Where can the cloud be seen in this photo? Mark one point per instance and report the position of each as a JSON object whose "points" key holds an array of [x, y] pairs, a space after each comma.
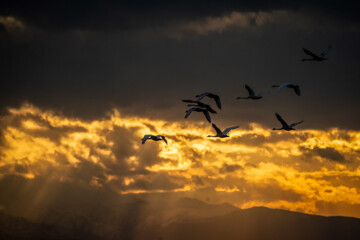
{"points": [[327, 153], [255, 21], [230, 168], [256, 165], [12, 25], [242, 20], [80, 15]]}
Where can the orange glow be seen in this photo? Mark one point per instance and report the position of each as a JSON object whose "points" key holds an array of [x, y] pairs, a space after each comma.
{"points": [[317, 165], [226, 189]]}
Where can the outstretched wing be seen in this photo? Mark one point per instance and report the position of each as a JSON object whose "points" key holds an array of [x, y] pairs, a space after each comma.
{"points": [[297, 90], [146, 137], [201, 96], [217, 100], [218, 131], [189, 101], [310, 53], [325, 51], [207, 115], [283, 86], [294, 124], [210, 109], [229, 129], [251, 92], [163, 138], [188, 112], [200, 104], [285, 125]]}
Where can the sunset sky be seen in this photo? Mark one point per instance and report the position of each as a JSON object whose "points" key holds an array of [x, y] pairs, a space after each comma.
{"points": [[81, 83]]}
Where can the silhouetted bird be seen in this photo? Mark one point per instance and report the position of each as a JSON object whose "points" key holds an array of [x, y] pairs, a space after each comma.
{"points": [[221, 134], [200, 104], [197, 109], [289, 85], [285, 126], [210, 95], [252, 94], [315, 57], [154, 138]]}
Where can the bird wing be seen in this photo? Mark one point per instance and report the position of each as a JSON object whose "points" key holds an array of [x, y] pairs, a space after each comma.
{"points": [[207, 115], [204, 105], [191, 105], [229, 129], [261, 93], [283, 86], [210, 109], [146, 137], [297, 90], [310, 53], [251, 92], [163, 138], [325, 52], [189, 101], [294, 124], [217, 100], [281, 120], [201, 96], [218, 131], [188, 112]]}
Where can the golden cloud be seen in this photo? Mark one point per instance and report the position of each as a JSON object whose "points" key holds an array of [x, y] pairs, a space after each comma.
{"points": [[255, 166]]}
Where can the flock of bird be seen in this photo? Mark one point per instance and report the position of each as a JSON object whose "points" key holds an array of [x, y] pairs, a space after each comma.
{"points": [[206, 109]]}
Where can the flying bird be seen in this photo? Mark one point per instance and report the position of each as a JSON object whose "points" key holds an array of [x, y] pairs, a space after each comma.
{"points": [[285, 126], [210, 95], [221, 134], [200, 104], [252, 94], [289, 85], [197, 109], [153, 137], [315, 57]]}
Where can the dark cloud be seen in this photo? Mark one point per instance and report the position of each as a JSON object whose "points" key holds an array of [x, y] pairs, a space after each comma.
{"points": [[230, 168], [86, 73], [86, 171], [108, 15], [2, 28], [198, 180], [327, 153]]}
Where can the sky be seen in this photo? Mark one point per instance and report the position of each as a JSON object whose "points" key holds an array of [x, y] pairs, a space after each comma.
{"points": [[82, 82]]}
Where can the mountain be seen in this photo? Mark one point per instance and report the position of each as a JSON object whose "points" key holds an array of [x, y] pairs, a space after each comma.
{"points": [[15, 228], [185, 218], [261, 223]]}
